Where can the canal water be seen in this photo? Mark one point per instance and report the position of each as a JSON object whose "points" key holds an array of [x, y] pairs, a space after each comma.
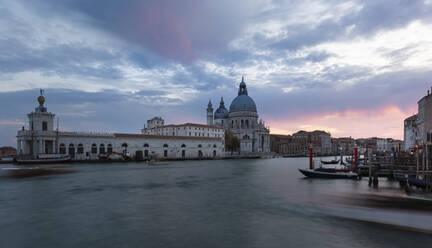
{"points": [[221, 203]]}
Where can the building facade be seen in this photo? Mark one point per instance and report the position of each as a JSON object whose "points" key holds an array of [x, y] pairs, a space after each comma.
{"points": [[43, 141], [298, 143], [7, 151], [243, 121], [187, 129], [410, 133], [418, 128]]}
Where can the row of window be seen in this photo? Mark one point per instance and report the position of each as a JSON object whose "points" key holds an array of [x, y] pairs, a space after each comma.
{"points": [[80, 148], [102, 150], [240, 124]]}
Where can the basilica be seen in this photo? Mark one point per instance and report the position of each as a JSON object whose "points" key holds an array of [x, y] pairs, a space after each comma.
{"points": [[242, 120]]}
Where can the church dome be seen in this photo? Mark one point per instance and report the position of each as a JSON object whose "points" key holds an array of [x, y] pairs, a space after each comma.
{"points": [[221, 112], [242, 102]]}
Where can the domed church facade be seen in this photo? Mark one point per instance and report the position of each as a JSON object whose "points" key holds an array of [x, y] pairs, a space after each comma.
{"points": [[243, 121]]}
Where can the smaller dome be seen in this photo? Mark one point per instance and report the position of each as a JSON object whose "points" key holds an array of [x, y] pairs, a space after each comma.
{"points": [[221, 112]]}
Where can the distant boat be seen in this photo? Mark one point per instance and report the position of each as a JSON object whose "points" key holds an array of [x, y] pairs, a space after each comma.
{"points": [[44, 160], [329, 173], [33, 171], [330, 162]]}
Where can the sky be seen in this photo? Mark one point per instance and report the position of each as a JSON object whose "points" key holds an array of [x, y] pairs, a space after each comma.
{"points": [[352, 68]]}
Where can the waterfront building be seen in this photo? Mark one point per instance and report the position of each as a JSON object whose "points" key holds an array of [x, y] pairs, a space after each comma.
{"points": [[298, 143], [7, 151], [242, 121], [187, 129], [41, 140], [344, 145], [418, 128], [410, 132]]}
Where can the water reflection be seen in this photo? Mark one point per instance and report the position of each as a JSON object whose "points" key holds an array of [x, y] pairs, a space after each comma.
{"points": [[225, 203]]}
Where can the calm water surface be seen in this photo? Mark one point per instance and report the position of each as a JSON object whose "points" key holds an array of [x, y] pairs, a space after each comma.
{"points": [[225, 203]]}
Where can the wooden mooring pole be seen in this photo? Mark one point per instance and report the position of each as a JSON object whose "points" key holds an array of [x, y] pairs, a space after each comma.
{"points": [[311, 166]]}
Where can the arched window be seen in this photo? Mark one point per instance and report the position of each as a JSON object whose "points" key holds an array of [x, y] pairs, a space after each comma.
{"points": [[214, 153], [146, 145], [199, 145], [165, 145], [242, 124], [102, 149], [62, 148], [110, 148], [247, 123], [71, 149], [94, 148], [200, 154], [183, 145], [214, 146], [80, 149]]}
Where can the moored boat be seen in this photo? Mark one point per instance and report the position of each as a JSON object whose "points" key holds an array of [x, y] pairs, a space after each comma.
{"points": [[329, 173], [33, 171], [43, 159], [330, 162]]}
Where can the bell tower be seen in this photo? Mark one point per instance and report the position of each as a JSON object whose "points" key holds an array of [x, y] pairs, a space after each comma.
{"points": [[41, 128], [209, 113]]}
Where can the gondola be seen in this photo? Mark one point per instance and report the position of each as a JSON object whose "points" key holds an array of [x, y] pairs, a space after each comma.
{"points": [[330, 162], [329, 173]]}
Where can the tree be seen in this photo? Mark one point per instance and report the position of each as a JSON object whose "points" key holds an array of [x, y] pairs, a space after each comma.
{"points": [[232, 143]]}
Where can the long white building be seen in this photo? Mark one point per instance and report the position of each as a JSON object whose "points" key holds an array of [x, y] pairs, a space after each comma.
{"points": [[156, 126], [41, 140]]}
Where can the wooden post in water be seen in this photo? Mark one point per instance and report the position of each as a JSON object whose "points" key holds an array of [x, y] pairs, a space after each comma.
{"points": [[423, 160], [311, 166], [355, 157], [417, 161]]}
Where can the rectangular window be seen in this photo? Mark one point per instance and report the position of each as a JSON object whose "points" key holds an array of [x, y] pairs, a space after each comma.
{"points": [[44, 126], [166, 153]]}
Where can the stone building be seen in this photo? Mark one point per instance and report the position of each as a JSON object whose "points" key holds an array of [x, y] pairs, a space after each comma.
{"points": [[7, 151], [344, 145], [410, 133], [418, 128], [187, 129], [242, 120], [43, 141], [298, 143]]}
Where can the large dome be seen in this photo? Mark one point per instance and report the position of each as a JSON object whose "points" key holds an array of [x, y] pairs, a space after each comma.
{"points": [[242, 102]]}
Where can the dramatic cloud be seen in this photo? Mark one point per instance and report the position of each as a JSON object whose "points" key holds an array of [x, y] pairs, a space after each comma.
{"points": [[355, 68]]}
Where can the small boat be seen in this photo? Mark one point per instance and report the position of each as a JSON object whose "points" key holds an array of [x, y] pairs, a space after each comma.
{"points": [[43, 160], [33, 171], [330, 162], [329, 173]]}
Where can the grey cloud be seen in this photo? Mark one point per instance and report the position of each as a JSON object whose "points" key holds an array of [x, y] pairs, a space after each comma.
{"points": [[66, 59]]}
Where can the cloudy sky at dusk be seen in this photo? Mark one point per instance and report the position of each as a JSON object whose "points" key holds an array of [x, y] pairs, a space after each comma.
{"points": [[353, 68]]}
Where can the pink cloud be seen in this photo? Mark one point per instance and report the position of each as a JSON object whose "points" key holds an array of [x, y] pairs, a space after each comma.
{"points": [[383, 122], [162, 29]]}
